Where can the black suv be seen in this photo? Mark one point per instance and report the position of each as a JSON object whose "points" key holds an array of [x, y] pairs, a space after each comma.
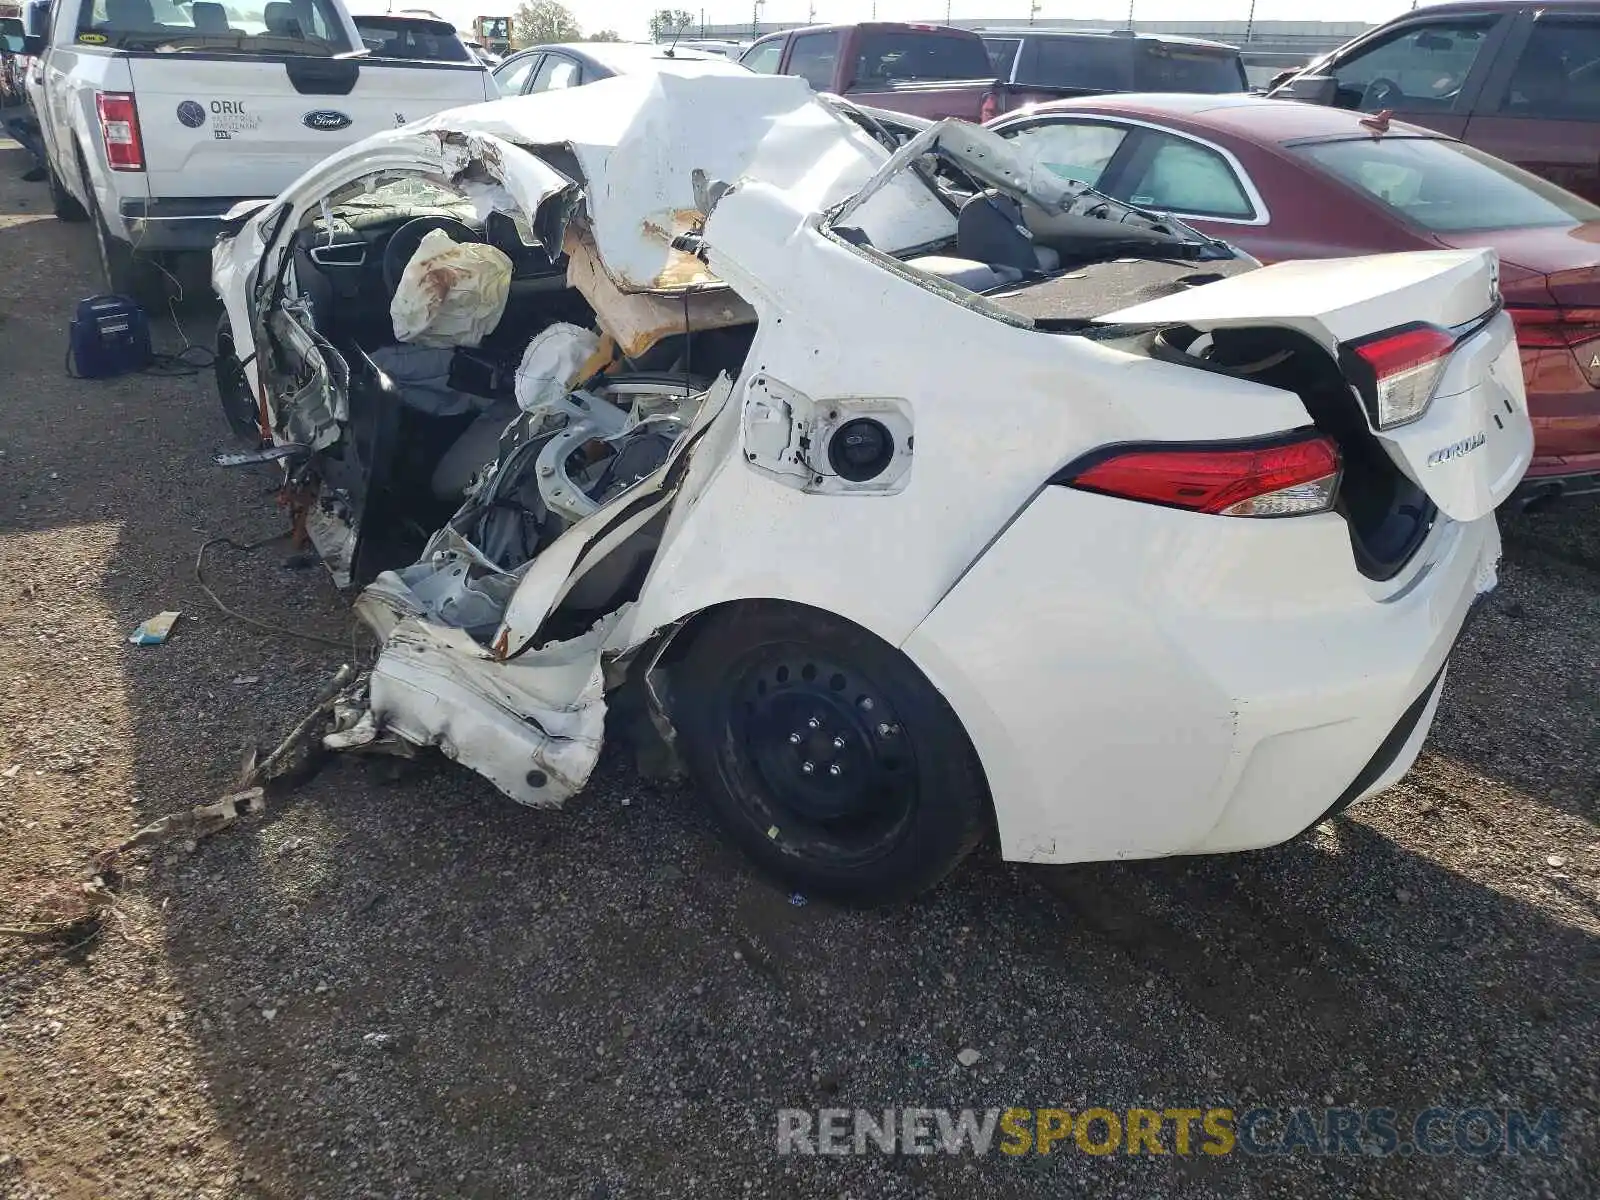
{"points": [[1059, 63]]}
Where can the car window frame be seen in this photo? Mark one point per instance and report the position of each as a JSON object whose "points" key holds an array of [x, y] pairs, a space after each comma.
{"points": [[1016, 55], [1120, 170], [1488, 58], [536, 57], [1143, 157], [838, 54], [1497, 88], [553, 59], [780, 41], [1115, 165]]}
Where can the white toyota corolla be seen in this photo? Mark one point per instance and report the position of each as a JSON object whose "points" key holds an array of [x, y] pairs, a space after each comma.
{"points": [[912, 490]]}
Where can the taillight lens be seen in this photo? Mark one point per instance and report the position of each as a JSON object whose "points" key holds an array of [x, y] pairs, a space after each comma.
{"points": [[1405, 366], [1555, 328], [119, 130], [1285, 479], [990, 108]]}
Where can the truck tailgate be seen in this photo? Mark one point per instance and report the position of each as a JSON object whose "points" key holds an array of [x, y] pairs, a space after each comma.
{"points": [[933, 99], [250, 126]]}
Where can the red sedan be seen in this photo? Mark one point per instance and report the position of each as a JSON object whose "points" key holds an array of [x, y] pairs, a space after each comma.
{"points": [[1282, 180]]}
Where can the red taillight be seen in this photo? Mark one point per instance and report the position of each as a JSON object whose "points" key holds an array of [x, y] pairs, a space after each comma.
{"points": [[1284, 480], [1555, 328], [119, 130], [1406, 365], [990, 109]]}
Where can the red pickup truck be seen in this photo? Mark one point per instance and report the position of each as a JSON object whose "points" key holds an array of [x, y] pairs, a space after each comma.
{"points": [[931, 71]]}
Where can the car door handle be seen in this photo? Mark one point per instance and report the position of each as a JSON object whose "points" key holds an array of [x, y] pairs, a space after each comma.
{"points": [[347, 254]]}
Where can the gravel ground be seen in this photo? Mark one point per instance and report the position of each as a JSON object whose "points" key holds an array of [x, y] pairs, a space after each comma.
{"points": [[407, 986]]}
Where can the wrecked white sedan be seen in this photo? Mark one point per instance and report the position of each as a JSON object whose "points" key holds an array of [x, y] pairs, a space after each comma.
{"points": [[916, 491]]}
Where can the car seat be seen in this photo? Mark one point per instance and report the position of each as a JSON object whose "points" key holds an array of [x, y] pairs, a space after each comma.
{"points": [[129, 15], [209, 17], [281, 21]]}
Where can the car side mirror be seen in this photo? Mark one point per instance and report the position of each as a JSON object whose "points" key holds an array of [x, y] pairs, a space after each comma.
{"points": [[33, 44], [1310, 89]]}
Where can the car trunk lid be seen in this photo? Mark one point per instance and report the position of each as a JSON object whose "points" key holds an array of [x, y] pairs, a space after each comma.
{"points": [[1556, 303], [249, 126], [1469, 444]]}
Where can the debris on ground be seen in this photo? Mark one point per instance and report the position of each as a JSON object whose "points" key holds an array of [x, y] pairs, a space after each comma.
{"points": [[68, 913], [154, 631], [206, 819]]}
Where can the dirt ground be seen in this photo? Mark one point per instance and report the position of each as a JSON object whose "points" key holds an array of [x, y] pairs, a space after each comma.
{"points": [[411, 987]]}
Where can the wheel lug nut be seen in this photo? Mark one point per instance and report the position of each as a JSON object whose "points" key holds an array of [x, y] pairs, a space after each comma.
{"points": [[807, 768], [795, 739], [836, 770], [838, 743], [886, 730], [866, 704], [814, 723]]}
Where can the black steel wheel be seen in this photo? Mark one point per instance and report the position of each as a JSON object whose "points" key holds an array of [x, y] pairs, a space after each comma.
{"points": [[826, 755], [233, 389]]}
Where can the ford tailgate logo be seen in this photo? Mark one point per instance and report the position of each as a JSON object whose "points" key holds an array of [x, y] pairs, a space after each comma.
{"points": [[325, 118]]}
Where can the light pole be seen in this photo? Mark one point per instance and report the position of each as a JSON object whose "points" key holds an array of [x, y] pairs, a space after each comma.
{"points": [[1130, 14], [1250, 22], [755, 17]]}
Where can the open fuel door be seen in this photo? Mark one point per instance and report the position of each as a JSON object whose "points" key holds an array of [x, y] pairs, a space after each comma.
{"points": [[1421, 340]]}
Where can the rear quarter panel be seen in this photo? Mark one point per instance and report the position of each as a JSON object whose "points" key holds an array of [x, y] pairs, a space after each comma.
{"points": [[71, 124]]}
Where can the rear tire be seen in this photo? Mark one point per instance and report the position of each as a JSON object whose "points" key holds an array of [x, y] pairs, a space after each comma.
{"points": [[61, 201], [126, 273], [233, 388], [894, 796]]}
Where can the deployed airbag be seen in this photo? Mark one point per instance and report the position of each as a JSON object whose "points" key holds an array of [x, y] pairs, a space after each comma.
{"points": [[451, 293]]}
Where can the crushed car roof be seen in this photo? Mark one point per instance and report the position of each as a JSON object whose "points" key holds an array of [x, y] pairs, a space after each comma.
{"points": [[646, 148]]}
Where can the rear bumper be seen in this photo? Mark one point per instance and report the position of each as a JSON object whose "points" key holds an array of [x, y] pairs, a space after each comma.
{"points": [[175, 223], [1210, 685], [1558, 478]]}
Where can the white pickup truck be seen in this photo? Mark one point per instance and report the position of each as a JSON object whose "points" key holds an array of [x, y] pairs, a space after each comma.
{"points": [[158, 116]]}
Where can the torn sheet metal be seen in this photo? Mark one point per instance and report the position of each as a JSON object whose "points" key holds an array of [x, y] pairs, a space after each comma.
{"points": [[639, 320], [532, 727]]}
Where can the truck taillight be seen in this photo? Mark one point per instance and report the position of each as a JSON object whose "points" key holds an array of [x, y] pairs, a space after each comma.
{"points": [[1283, 478], [1554, 328], [119, 130], [990, 108], [1397, 371]]}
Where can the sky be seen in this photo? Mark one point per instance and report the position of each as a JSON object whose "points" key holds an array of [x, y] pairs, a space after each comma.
{"points": [[630, 17]]}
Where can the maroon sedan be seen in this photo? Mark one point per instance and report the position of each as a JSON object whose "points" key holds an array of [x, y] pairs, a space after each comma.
{"points": [[1282, 180]]}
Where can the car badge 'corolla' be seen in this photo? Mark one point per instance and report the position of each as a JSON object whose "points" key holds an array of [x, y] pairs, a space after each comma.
{"points": [[1457, 450]]}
